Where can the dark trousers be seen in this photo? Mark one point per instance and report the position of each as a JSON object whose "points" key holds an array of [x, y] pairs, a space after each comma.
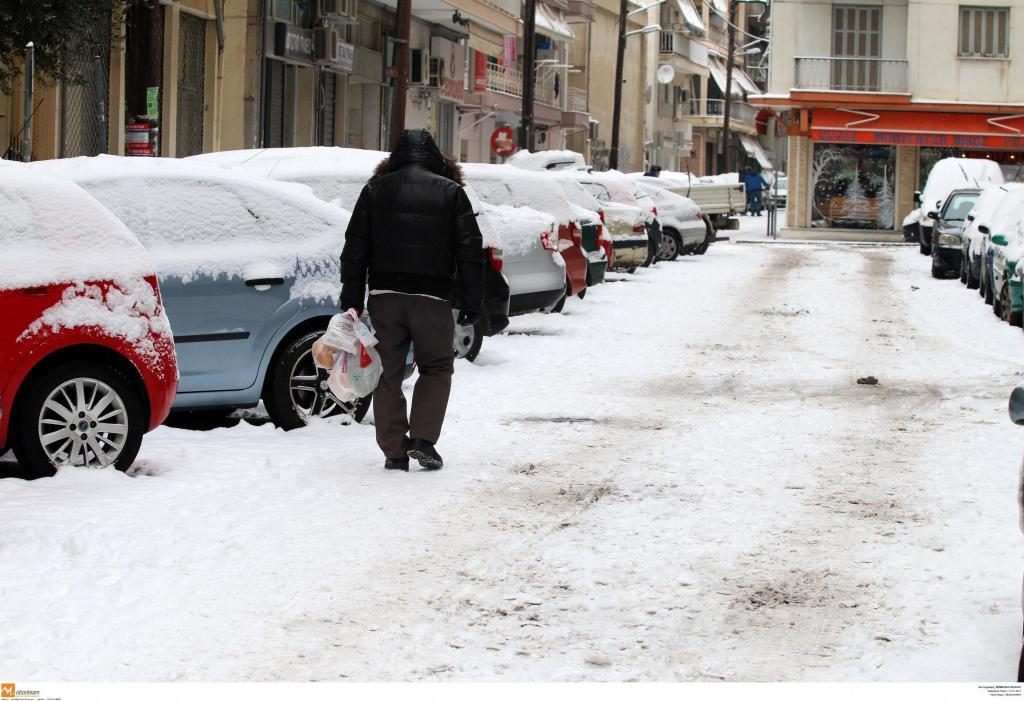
{"points": [[427, 324], [754, 201]]}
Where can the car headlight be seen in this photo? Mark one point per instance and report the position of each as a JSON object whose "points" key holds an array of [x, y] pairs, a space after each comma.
{"points": [[949, 240]]}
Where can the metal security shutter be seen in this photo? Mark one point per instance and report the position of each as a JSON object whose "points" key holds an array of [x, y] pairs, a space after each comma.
{"points": [[273, 126], [191, 85], [327, 104], [445, 127], [84, 106]]}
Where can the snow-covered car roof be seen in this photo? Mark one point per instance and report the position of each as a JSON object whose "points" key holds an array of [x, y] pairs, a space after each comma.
{"points": [[1002, 211], [577, 194], [949, 174], [335, 175], [621, 189], [676, 206], [505, 185], [195, 219], [547, 160], [52, 231], [521, 227]]}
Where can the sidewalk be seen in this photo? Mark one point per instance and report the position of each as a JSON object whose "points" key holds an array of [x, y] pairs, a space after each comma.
{"points": [[755, 230]]}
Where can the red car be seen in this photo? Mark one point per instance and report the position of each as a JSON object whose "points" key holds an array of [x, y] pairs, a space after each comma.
{"points": [[87, 361]]}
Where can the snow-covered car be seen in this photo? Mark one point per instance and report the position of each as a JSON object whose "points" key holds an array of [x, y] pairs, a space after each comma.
{"points": [[945, 176], [972, 239], [338, 175], [625, 219], [995, 232], [684, 227], [597, 242], [949, 227], [87, 361], [533, 265], [505, 185], [547, 160], [249, 270], [720, 197]]}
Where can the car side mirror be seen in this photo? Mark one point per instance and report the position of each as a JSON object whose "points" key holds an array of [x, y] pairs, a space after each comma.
{"points": [[917, 197], [1017, 406], [933, 215], [999, 240], [984, 230]]}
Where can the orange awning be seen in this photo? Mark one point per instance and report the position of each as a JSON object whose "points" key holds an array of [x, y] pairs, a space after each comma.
{"points": [[903, 128]]}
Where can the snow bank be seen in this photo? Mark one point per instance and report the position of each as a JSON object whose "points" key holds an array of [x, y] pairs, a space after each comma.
{"points": [[52, 232], [197, 220]]}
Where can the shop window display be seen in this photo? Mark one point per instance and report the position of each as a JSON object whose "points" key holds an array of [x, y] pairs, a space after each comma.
{"points": [[853, 187]]}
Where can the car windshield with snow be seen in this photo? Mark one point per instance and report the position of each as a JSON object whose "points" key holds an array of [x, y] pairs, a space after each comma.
{"points": [[87, 361]]}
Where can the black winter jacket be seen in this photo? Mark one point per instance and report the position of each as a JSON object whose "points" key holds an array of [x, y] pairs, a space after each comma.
{"points": [[414, 231]]}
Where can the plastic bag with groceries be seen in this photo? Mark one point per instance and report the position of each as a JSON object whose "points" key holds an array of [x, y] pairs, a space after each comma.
{"points": [[347, 350]]}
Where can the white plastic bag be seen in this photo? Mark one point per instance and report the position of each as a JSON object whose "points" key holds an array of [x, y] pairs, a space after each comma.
{"points": [[347, 349]]}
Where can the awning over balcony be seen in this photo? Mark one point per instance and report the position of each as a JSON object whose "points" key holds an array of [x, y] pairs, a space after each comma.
{"points": [[552, 22], [690, 15], [741, 82], [755, 151]]}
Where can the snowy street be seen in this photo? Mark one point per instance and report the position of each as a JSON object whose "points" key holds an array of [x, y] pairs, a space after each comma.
{"points": [[678, 479]]}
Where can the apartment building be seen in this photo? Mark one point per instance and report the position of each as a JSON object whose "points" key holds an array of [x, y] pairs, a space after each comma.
{"points": [[873, 93]]}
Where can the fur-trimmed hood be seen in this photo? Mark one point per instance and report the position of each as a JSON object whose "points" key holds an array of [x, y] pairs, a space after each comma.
{"points": [[417, 147]]}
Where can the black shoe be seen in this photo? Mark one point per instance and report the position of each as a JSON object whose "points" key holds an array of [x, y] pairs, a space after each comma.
{"points": [[423, 452], [397, 464]]}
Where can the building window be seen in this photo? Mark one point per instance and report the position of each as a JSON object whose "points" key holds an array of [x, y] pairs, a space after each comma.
{"points": [[853, 186], [856, 46], [984, 32]]}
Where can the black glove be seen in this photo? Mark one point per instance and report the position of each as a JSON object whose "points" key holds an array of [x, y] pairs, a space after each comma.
{"points": [[468, 317]]}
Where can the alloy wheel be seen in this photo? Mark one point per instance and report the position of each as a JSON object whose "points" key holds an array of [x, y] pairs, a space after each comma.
{"points": [[83, 423], [311, 397], [669, 247]]}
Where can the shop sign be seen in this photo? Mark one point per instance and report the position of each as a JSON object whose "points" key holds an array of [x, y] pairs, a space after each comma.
{"points": [[479, 71], [346, 57], [453, 56], [503, 141], [293, 42], [889, 138], [141, 138], [968, 131]]}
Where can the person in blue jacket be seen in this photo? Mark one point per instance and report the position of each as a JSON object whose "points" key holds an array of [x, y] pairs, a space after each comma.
{"points": [[754, 185]]}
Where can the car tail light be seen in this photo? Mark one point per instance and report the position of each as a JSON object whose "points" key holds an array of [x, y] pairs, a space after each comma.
{"points": [[600, 213], [654, 211], [548, 241], [639, 228], [495, 258], [577, 234]]}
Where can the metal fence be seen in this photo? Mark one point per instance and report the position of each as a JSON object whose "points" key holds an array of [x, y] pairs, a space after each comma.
{"points": [[191, 85], [84, 104], [855, 74]]}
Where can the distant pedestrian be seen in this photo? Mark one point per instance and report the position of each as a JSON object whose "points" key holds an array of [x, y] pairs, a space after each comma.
{"points": [[754, 185], [653, 172], [414, 232]]}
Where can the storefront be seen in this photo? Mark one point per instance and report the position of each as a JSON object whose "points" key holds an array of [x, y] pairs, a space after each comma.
{"points": [[859, 168]]}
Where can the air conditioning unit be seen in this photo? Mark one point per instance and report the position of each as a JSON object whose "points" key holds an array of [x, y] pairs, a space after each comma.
{"points": [[325, 44], [337, 10], [435, 77]]}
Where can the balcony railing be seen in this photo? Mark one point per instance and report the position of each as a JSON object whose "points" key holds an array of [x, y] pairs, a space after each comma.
{"points": [[674, 43], [577, 100], [854, 74], [510, 82], [738, 112]]}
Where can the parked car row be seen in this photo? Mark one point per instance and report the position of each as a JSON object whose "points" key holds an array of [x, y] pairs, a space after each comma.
{"points": [[976, 233], [238, 253]]}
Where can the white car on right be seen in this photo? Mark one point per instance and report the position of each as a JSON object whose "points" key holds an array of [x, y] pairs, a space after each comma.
{"points": [[945, 176]]}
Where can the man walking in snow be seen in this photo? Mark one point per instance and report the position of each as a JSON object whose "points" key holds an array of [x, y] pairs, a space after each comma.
{"points": [[754, 185], [414, 233]]}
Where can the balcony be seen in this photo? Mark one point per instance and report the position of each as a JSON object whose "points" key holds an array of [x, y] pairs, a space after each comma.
{"points": [[878, 75], [715, 109], [689, 56], [509, 81]]}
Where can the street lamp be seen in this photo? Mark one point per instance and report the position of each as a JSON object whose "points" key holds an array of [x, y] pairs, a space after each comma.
{"points": [[613, 152], [729, 65]]}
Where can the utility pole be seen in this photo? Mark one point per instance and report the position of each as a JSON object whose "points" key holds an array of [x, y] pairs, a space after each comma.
{"points": [[527, 134], [725, 161], [30, 75], [401, 71], [620, 57]]}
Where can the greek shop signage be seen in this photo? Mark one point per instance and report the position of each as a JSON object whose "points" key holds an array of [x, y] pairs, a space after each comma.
{"points": [[293, 42], [890, 138]]}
